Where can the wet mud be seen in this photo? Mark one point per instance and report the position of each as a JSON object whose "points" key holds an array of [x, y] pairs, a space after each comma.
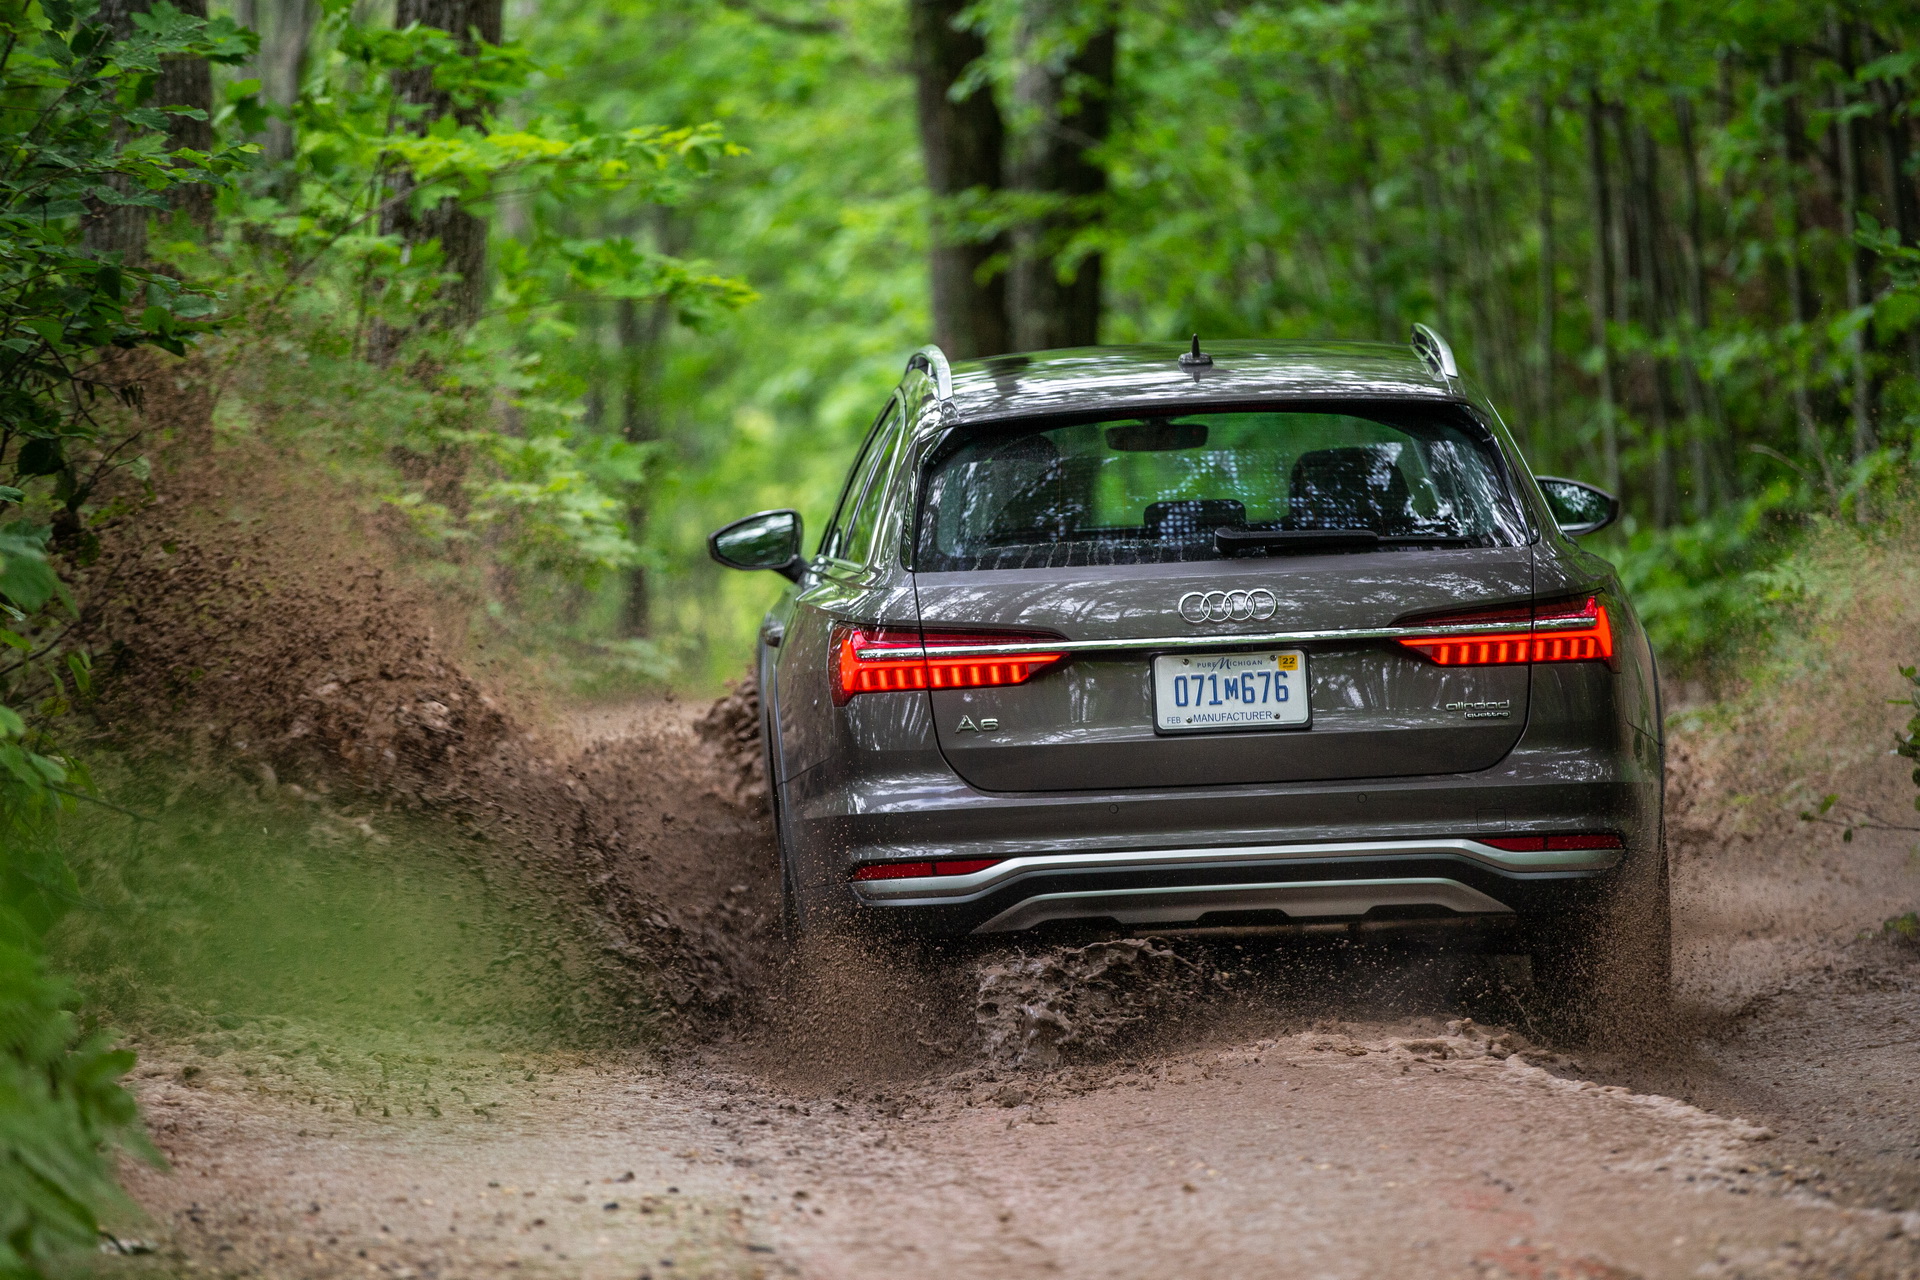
{"points": [[1124, 1107]]}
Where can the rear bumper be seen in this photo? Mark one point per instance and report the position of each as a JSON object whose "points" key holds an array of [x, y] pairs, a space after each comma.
{"points": [[1262, 884]]}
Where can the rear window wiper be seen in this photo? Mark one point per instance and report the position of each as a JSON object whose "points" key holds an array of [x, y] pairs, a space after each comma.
{"points": [[1228, 540]]}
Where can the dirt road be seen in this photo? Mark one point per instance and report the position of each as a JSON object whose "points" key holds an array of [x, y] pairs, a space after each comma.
{"points": [[1343, 1121], [1336, 1154]]}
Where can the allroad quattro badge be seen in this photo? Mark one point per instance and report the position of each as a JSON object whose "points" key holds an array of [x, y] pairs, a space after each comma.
{"points": [[1256, 605]]}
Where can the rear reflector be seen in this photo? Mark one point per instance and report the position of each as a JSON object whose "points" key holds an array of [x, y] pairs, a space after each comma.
{"points": [[910, 870], [1576, 631], [881, 660], [1544, 844]]}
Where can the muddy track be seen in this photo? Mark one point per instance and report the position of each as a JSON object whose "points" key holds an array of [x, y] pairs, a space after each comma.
{"points": [[1126, 1111]]}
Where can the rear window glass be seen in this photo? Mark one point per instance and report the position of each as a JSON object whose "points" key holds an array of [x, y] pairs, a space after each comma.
{"points": [[1152, 490]]}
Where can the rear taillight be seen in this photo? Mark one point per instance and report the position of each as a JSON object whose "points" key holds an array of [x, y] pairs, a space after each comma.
{"points": [[1543, 844], [1568, 631], [880, 660], [913, 870]]}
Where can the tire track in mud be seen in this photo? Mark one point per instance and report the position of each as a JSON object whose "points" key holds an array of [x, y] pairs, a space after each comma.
{"points": [[1125, 1109], [1034, 1111], [1355, 1152]]}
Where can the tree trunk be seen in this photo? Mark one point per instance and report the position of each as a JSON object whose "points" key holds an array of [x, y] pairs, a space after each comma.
{"points": [[1703, 399], [963, 144], [1054, 301], [1432, 194], [1655, 303], [642, 331], [1600, 305], [1386, 325], [188, 82], [285, 28], [1799, 295], [461, 235], [182, 82], [1889, 99], [1847, 148], [1547, 302]]}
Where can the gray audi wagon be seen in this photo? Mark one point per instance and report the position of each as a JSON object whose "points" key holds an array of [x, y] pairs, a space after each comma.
{"points": [[1271, 637]]}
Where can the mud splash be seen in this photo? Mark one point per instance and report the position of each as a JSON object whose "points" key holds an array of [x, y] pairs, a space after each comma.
{"points": [[1033, 1009], [286, 656]]}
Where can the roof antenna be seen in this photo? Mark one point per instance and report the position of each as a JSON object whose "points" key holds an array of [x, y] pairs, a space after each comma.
{"points": [[1190, 359]]}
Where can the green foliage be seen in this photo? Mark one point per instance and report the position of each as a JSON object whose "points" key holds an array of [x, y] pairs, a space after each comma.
{"points": [[61, 1108], [474, 436], [1316, 170], [1701, 587], [76, 135], [1908, 743]]}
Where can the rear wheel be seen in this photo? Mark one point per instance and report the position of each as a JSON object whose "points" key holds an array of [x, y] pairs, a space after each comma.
{"points": [[804, 919], [1607, 971], [791, 913]]}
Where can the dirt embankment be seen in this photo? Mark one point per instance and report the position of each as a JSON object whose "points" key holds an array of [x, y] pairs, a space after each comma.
{"points": [[255, 645], [1133, 1108]]}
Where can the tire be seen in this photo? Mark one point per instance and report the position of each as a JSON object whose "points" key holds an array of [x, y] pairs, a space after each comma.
{"points": [[793, 912], [1607, 972], [802, 922], [792, 916]]}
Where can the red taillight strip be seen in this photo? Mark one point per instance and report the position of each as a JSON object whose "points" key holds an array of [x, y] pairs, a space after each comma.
{"points": [[877, 660], [1577, 633], [1554, 844], [914, 870]]}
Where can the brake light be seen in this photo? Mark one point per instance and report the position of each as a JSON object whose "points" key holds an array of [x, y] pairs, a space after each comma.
{"points": [[1543, 844], [881, 660], [1577, 631], [911, 870]]}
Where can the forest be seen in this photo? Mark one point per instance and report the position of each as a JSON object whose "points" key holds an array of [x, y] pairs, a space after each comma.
{"points": [[547, 291]]}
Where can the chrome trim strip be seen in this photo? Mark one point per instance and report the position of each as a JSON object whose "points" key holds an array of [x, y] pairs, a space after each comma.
{"points": [[1194, 642], [1307, 899], [953, 890]]}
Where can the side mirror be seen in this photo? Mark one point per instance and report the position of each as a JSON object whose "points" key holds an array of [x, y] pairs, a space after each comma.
{"points": [[1578, 508], [768, 540]]}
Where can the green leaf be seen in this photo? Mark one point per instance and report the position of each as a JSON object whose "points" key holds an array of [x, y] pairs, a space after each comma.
{"points": [[26, 578], [41, 456]]}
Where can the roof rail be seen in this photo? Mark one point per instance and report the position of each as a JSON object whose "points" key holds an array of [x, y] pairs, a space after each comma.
{"points": [[932, 359], [1434, 352]]}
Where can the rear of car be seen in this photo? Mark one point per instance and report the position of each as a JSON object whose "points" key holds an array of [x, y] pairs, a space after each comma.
{"points": [[1099, 640]]}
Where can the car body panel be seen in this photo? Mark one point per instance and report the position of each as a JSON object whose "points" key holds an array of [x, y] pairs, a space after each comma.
{"points": [[1075, 767], [1378, 710]]}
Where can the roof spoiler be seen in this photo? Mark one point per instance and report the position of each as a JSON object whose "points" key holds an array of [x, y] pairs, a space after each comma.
{"points": [[1434, 352]]}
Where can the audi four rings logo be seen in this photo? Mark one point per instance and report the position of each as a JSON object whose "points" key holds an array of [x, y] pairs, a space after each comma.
{"points": [[1256, 605]]}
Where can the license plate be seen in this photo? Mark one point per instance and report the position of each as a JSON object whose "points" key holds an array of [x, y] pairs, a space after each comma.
{"points": [[1210, 692]]}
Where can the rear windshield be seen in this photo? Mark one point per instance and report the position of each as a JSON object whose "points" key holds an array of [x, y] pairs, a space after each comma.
{"points": [[1152, 490]]}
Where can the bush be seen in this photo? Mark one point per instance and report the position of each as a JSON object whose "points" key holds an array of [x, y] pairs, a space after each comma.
{"points": [[1699, 587]]}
